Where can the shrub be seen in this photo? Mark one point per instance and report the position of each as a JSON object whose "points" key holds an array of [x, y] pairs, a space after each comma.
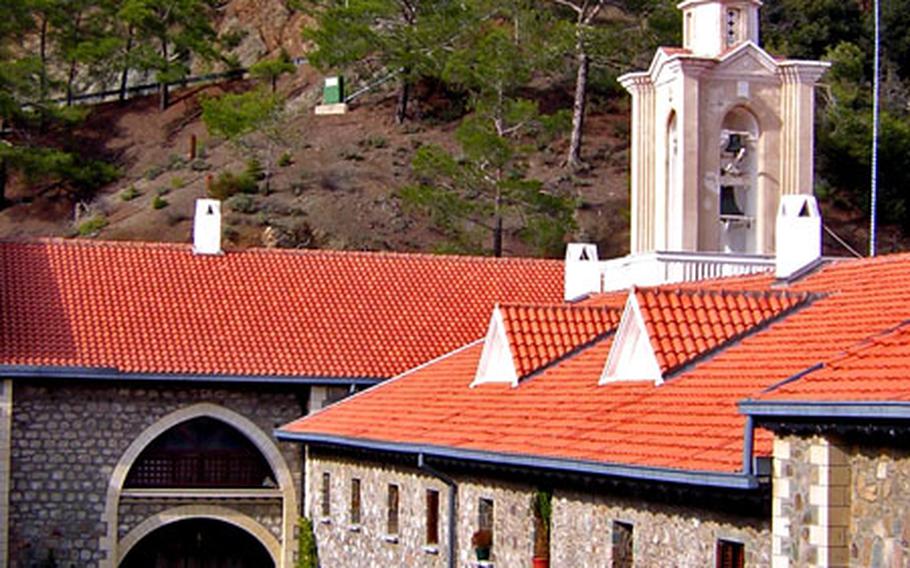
{"points": [[92, 225], [254, 169], [307, 553], [153, 172], [242, 203], [285, 160], [129, 193], [200, 165], [177, 182], [229, 183], [159, 202]]}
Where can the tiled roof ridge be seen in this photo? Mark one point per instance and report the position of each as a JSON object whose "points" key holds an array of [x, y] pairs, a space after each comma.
{"points": [[166, 246], [803, 299]]}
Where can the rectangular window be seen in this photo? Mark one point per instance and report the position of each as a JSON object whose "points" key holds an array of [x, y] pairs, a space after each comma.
{"points": [[355, 501], [485, 515], [392, 523], [623, 540], [326, 494], [432, 517], [730, 554]]}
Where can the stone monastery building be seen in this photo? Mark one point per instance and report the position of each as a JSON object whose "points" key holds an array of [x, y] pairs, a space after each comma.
{"points": [[723, 396]]}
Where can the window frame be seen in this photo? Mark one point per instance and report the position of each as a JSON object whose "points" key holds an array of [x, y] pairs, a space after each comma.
{"points": [[355, 512], [622, 536], [432, 518], [326, 495], [736, 550], [393, 507]]}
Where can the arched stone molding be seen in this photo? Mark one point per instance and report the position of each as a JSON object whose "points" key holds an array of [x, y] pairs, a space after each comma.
{"points": [[108, 544], [187, 512]]}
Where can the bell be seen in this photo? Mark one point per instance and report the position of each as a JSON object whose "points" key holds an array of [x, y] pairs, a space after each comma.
{"points": [[728, 205], [734, 143]]}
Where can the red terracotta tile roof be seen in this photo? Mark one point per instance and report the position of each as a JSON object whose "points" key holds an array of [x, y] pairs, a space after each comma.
{"points": [[539, 335], [874, 370], [684, 325], [157, 308], [691, 422]]}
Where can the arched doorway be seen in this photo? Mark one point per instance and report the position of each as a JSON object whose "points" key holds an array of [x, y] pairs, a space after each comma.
{"points": [[198, 543], [213, 440]]}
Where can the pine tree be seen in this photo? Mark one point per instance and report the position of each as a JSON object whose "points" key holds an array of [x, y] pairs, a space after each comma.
{"points": [[171, 31]]}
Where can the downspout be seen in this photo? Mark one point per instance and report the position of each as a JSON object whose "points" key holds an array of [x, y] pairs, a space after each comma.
{"points": [[748, 442], [453, 493]]}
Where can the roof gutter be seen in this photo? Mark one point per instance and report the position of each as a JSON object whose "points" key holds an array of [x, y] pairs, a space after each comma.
{"points": [[740, 481], [112, 374], [453, 499], [883, 410]]}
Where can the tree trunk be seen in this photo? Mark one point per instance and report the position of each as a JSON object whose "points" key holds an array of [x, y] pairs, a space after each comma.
{"points": [[574, 160], [163, 93], [71, 77], [274, 83], [497, 225], [401, 109], [42, 47], [2, 183], [125, 73]]}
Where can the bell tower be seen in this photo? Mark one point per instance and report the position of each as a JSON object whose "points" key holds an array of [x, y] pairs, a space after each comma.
{"points": [[720, 131]]}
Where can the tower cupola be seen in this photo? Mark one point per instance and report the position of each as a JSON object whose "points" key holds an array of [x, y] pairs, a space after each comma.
{"points": [[712, 27]]}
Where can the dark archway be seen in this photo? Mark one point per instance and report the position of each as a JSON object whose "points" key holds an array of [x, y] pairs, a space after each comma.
{"points": [[198, 543], [202, 452]]}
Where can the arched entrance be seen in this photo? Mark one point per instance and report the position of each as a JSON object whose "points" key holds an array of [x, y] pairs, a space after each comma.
{"points": [[198, 543], [208, 452]]}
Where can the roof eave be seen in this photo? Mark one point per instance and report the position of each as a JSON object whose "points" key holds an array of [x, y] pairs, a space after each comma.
{"points": [[111, 374], [720, 480], [828, 410]]}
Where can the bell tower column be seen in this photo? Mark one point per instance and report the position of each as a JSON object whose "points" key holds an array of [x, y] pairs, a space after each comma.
{"points": [[797, 112]]}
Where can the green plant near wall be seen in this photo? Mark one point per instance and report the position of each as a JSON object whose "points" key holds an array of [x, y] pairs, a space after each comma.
{"points": [[541, 503], [307, 554]]}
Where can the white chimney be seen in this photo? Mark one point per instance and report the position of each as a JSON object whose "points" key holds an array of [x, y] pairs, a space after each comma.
{"points": [[799, 234], [582, 271], [207, 227]]}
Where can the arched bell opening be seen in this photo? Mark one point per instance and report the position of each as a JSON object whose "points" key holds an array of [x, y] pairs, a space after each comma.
{"points": [[738, 197]]}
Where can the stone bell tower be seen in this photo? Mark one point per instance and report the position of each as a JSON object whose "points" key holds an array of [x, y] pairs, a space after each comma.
{"points": [[720, 131]]}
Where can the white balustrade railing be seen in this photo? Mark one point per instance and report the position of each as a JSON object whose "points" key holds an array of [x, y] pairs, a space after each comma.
{"points": [[656, 268]]}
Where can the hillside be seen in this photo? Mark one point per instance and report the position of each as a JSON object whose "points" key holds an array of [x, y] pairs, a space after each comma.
{"points": [[338, 191]]}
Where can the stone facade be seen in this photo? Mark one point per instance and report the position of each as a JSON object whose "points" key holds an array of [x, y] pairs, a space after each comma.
{"points": [[342, 545], [838, 502], [664, 535], [133, 511], [67, 440]]}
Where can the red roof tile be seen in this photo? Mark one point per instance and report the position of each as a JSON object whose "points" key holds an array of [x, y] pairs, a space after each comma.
{"points": [[538, 335], [691, 422], [684, 325], [874, 370], [157, 308]]}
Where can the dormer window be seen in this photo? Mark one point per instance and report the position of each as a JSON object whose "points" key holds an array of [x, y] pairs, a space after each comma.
{"points": [[733, 26]]}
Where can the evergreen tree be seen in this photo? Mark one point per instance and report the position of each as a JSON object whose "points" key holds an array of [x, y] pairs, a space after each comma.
{"points": [[406, 37], [271, 69], [171, 31]]}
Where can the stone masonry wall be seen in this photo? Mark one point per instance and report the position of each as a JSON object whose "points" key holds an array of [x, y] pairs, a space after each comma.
{"points": [[839, 502], [134, 511], [367, 545], [663, 535], [66, 440], [582, 522], [880, 507]]}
